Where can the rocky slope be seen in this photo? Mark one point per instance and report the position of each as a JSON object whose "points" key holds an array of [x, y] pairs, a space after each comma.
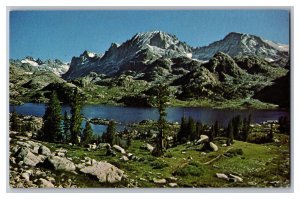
{"points": [[142, 49], [32, 65], [237, 44]]}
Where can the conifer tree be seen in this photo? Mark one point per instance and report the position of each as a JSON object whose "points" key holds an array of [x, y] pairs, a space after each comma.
{"points": [[160, 100], [216, 128], [229, 133], [191, 129], [66, 127], [75, 123], [111, 133], [183, 130], [87, 134], [52, 120]]}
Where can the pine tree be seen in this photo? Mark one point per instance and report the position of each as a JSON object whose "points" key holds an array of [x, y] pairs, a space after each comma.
{"points": [[191, 129], [52, 120], [160, 100], [87, 134], [75, 123], [66, 127], [111, 133], [181, 136], [230, 133], [216, 128]]}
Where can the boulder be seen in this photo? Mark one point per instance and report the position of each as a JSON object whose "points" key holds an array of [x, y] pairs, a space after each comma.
{"points": [[203, 139], [120, 149], [159, 181], [235, 178], [213, 146], [27, 157], [105, 172], [45, 183], [173, 184], [26, 176], [148, 147], [124, 158], [59, 163], [44, 150], [104, 146], [222, 176]]}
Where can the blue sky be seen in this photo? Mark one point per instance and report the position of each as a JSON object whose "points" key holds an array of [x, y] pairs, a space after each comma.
{"points": [[64, 34]]}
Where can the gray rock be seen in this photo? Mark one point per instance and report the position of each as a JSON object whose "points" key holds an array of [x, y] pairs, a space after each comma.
{"points": [[60, 163], [45, 183], [44, 150], [120, 149], [235, 178], [25, 176], [213, 146], [105, 172], [173, 184], [203, 139], [159, 181], [124, 158], [27, 157], [222, 176], [150, 147]]}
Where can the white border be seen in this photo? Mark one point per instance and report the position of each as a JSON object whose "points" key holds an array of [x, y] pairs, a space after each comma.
{"points": [[78, 4]]}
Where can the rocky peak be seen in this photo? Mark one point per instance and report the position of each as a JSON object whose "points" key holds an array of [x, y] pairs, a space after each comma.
{"points": [[239, 44]]}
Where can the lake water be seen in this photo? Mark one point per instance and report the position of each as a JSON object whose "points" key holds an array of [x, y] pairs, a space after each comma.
{"points": [[127, 115]]}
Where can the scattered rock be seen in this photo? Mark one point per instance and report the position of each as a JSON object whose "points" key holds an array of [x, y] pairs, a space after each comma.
{"points": [[104, 146], [173, 184], [44, 150], [235, 178], [45, 183], [105, 172], [203, 139], [159, 181], [213, 146], [203, 153], [124, 158], [120, 149], [25, 176], [26, 157], [222, 176], [59, 163], [172, 179], [148, 147]]}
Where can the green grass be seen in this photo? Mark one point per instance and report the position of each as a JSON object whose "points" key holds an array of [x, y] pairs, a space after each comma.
{"points": [[257, 164]]}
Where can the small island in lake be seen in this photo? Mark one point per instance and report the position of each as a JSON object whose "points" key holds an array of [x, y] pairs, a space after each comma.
{"points": [[153, 111]]}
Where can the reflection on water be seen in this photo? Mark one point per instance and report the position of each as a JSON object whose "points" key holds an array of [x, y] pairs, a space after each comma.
{"points": [[127, 115]]}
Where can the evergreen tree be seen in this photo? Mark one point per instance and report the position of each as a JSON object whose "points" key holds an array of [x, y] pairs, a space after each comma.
{"points": [[230, 133], [87, 135], [212, 133], [160, 100], [111, 133], [191, 129], [66, 127], [52, 120], [236, 125], [183, 130], [216, 128], [199, 129], [75, 123]]}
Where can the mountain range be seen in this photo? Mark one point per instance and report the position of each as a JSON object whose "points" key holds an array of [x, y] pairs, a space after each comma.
{"points": [[238, 66]]}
